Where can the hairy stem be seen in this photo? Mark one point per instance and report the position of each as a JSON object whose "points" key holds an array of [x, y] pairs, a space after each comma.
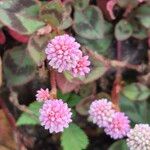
{"points": [[53, 92]]}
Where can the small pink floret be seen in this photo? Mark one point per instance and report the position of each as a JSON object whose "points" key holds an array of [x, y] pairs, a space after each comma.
{"points": [[82, 67], [119, 126], [42, 95], [55, 115], [101, 112]]}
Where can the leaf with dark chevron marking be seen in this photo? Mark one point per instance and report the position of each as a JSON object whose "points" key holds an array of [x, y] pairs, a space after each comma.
{"points": [[52, 12], [21, 16], [19, 68], [89, 23]]}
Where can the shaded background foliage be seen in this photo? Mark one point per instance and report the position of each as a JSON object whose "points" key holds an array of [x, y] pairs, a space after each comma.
{"points": [[117, 45]]}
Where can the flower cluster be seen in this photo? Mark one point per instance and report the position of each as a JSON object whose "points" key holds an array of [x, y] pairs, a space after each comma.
{"points": [[54, 114], [64, 54], [116, 124], [139, 137]]}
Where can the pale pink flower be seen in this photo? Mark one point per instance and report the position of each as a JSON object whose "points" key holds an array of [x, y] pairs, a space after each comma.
{"points": [[42, 95], [63, 52], [101, 112], [109, 6], [82, 67], [55, 115], [139, 137], [119, 126], [140, 1]]}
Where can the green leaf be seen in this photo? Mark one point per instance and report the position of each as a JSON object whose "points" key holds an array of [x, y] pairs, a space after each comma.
{"points": [[63, 96], [74, 138], [81, 4], [52, 12], [130, 109], [66, 20], [137, 111], [123, 30], [119, 145], [100, 46], [19, 67], [97, 70], [73, 100], [26, 119], [136, 91], [143, 14], [36, 47], [139, 31], [17, 16], [126, 3], [89, 23]]}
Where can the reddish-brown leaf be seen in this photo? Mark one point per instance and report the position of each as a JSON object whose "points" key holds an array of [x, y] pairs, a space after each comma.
{"points": [[66, 86], [17, 36], [2, 37]]}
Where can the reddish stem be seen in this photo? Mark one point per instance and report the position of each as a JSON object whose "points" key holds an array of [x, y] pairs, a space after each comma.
{"points": [[53, 92], [115, 94]]}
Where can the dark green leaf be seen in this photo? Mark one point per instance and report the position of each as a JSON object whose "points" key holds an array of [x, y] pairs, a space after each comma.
{"points": [[36, 48], [89, 23], [81, 4], [119, 145], [19, 67], [143, 14], [52, 12], [136, 92], [123, 30], [97, 70], [17, 16], [100, 46]]}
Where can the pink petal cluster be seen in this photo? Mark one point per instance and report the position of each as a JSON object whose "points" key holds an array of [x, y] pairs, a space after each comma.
{"points": [[140, 1], [139, 137], [101, 112], [119, 126], [55, 115], [109, 6], [82, 67], [42, 95], [63, 54], [115, 124]]}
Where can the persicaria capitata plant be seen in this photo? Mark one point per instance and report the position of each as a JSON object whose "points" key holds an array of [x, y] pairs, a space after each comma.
{"points": [[75, 74]]}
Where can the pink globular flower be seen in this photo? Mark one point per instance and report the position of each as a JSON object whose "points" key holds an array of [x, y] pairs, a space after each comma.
{"points": [[63, 52], [109, 6], [119, 126], [140, 1], [42, 95], [82, 67], [55, 115], [139, 137], [101, 112]]}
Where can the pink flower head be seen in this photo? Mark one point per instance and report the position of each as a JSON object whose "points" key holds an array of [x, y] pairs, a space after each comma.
{"points": [[140, 1], [109, 6], [82, 67], [55, 115], [42, 95], [101, 112], [139, 137], [119, 126], [63, 52]]}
